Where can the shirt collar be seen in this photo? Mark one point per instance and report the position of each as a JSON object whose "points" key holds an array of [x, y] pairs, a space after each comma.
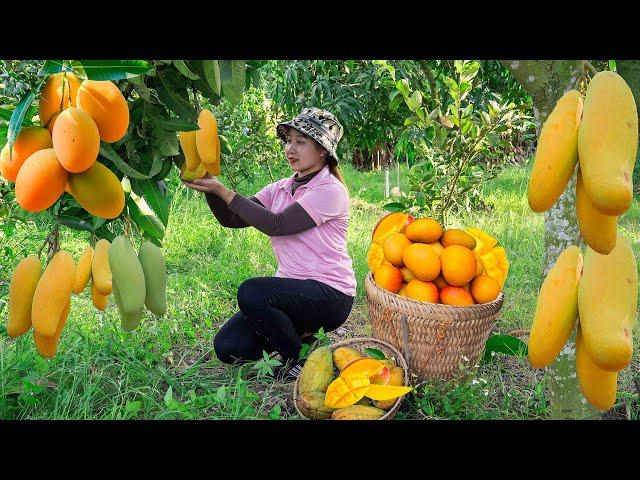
{"points": [[324, 173]]}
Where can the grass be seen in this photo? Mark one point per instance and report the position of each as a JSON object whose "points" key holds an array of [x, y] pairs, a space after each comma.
{"points": [[167, 369]]}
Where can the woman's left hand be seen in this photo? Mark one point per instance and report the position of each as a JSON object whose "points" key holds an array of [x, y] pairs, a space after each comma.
{"points": [[210, 184]]}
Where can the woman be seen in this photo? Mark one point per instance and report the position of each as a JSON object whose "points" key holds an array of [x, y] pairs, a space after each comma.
{"points": [[307, 217]]}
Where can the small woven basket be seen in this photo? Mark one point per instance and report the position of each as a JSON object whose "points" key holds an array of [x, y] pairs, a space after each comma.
{"points": [[435, 339], [360, 344]]}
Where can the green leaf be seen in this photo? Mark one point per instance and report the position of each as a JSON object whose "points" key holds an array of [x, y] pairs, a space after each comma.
{"points": [[184, 70], [225, 146], [75, 223], [403, 87], [177, 125], [211, 70], [173, 100], [52, 66], [108, 152], [152, 194], [395, 207], [504, 344], [232, 78], [3, 135], [144, 217], [5, 114], [112, 69], [375, 353], [17, 117], [612, 65]]}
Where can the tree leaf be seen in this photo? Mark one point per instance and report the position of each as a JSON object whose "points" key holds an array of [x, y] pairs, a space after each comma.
{"points": [[173, 100], [184, 70], [144, 217], [375, 353], [232, 78], [152, 194], [504, 344], [53, 66], [395, 207], [211, 70], [108, 152], [17, 117], [112, 69], [75, 223], [177, 125]]}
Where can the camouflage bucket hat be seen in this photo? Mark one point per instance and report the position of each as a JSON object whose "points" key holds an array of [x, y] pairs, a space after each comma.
{"points": [[318, 124]]}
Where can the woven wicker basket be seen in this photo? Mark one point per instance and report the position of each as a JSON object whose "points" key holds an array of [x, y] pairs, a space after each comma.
{"points": [[434, 339], [360, 344]]}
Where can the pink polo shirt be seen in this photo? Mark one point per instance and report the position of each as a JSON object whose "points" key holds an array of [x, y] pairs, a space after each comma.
{"points": [[319, 253]]}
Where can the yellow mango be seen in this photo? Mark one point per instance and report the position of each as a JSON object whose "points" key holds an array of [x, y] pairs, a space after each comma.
{"points": [[98, 190], [100, 270], [607, 300], [52, 293], [21, 290], [344, 392], [83, 270], [386, 392], [189, 149], [343, 356], [207, 137], [363, 367], [397, 379], [48, 345], [556, 154], [188, 175], [598, 230], [29, 140], [57, 94], [99, 301], [358, 412], [598, 386], [317, 372], [556, 309], [608, 143]]}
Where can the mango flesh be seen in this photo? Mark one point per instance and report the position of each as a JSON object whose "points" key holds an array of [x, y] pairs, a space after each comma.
{"points": [[556, 154], [344, 392], [100, 270], [189, 149], [607, 300], [40, 181], [317, 372], [53, 293], [397, 379], [608, 143], [21, 290], [127, 275], [29, 140], [104, 102], [188, 175], [598, 230], [83, 270], [58, 93], [155, 277], [48, 345], [98, 190], [556, 309], [597, 385]]}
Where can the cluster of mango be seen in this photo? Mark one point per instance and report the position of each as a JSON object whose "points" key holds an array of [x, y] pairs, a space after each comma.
{"points": [[61, 155], [599, 291]]}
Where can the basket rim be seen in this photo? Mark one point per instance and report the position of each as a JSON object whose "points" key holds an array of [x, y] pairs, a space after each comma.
{"points": [[497, 303], [361, 340]]}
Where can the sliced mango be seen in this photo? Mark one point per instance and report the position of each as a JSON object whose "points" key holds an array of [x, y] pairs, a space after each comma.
{"points": [[344, 392], [386, 392], [363, 367]]}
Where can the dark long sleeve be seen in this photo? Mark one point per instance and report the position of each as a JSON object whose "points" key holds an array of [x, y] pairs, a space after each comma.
{"points": [[293, 219], [221, 211]]}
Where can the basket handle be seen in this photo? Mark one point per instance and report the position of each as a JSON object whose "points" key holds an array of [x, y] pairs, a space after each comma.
{"points": [[405, 339]]}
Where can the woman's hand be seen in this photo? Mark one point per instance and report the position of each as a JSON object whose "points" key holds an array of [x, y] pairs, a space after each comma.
{"points": [[210, 184]]}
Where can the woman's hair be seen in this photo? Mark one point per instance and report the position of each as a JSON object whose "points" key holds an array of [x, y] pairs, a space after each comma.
{"points": [[333, 165]]}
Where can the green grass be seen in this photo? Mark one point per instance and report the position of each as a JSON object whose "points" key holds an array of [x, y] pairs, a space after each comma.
{"points": [[167, 369]]}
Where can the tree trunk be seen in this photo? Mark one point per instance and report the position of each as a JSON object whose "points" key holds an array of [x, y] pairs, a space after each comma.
{"points": [[546, 81], [630, 71]]}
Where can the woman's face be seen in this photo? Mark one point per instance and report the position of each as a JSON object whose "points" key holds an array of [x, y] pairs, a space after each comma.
{"points": [[302, 153]]}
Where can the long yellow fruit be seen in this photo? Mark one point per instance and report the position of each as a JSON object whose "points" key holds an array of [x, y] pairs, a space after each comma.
{"points": [[556, 309], [100, 270], [21, 290], [608, 143], [83, 270], [598, 230], [207, 140], [48, 345], [597, 385], [189, 149], [556, 154], [607, 300]]}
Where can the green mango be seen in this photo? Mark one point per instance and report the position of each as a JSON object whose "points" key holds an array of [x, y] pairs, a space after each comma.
{"points": [[128, 321], [155, 277], [127, 275]]}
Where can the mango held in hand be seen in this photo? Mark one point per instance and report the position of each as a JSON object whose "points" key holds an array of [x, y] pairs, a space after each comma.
{"points": [[317, 372], [207, 141], [128, 281], [188, 175], [557, 308], [608, 143], [607, 300], [155, 277], [556, 153], [21, 290]]}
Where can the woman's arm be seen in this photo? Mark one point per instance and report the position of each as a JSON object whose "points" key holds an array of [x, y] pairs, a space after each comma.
{"points": [[221, 211]]}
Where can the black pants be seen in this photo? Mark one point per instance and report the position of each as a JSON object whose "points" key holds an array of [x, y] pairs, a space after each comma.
{"points": [[274, 313]]}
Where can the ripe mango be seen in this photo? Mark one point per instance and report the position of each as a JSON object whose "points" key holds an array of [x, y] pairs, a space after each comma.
{"points": [[343, 356], [99, 301], [47, 346], [557, 308], [608, 143], [57, 94], [21, 290], [100, 270], [98, 190], [40, 181], [76, 140], [598, 230], [317, 373], [53, 293], [83, 270], [397, 379], [607, 300], [556, 154], [311, 404], [127, 275], [597, 385], [188, 175], [106, 105], [155, 277], [29, 140], [189, 149], [358, 412], [207, 140]]}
